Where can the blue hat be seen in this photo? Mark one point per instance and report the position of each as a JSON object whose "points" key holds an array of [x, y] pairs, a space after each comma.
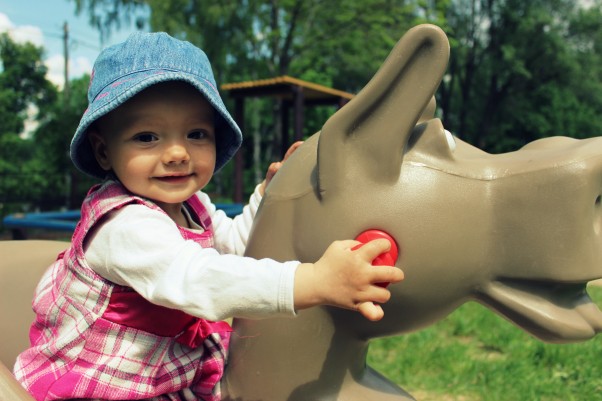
{"points": [[144, 59]]}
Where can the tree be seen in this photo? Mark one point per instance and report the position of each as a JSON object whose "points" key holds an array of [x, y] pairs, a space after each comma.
{"points": [[259, 39], [63, 184], [518, 70], [23, 89], [22, 83], [35, 169]]}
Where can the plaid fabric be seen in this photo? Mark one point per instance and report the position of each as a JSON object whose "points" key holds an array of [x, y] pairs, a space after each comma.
{"points": [[76, 353]]}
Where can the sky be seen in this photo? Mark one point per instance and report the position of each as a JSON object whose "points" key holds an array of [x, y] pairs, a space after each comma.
{"points": [[41, 22]]}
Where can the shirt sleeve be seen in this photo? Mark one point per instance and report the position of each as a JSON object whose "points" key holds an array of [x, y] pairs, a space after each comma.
{"points": [[143, 249], [231, 234]]}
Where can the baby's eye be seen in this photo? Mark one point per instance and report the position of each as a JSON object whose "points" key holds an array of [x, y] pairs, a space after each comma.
{"points": [[199, 134], [145, 137]]}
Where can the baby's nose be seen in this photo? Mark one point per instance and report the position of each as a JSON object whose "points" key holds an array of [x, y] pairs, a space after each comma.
{"points": [[176, 153]]}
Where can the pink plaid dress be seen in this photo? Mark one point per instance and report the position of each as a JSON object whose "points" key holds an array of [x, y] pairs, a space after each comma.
{"points": [[94, 339]]}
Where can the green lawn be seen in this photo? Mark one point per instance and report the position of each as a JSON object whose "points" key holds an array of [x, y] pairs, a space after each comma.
{"points": [[475, 355]]}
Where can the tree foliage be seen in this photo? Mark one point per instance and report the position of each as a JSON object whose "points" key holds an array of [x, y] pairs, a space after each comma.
{"points": [[52, 140], [258, 38], [519, 71], [35, 169], [22, 83], [23, 90]]}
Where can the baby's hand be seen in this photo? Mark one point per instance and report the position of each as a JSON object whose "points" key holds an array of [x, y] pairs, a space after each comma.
{"points": [[346, 278], [274, 167]]}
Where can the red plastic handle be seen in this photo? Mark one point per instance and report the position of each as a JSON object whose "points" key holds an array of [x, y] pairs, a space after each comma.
{"points": [[384, 259]]}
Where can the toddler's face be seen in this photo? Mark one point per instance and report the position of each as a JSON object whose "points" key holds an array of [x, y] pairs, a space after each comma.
{"points": [[160, 144]]}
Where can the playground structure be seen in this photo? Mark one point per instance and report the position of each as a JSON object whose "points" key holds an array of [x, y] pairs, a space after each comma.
{"points": [[517, 232], [66, 221], [295, 96]]}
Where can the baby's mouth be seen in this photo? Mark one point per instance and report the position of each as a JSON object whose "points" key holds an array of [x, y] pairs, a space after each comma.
{"points": [[174, 179]]}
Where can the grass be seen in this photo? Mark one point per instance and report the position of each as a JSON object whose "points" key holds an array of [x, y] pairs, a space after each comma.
{"points": [[475, 355]]}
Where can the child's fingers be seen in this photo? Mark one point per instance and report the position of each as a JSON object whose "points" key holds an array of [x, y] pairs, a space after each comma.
{"points": [[371, 311], [372, 249], [347, 243], [272, 170], [292, 149], [369, 251], [386, 274], [377, 294]]}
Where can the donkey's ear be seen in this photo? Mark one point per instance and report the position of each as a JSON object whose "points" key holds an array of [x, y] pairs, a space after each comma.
{"points": [[365, 139]]}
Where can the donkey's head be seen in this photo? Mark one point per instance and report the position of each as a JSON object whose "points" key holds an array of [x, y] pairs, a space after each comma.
{"points": [[519, 232]]}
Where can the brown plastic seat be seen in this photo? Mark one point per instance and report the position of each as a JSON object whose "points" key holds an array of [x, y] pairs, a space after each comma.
{"points": [[22, 263]]}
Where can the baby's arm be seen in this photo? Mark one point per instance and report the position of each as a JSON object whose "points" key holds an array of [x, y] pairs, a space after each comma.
{"points": [[231, 235], [142, 248], [346, 278]]}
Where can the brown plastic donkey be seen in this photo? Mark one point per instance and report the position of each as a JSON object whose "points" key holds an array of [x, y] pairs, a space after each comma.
{"points": [[518, 232]]}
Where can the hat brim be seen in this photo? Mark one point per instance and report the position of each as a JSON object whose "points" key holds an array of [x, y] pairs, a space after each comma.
{"points": [[228, 134]]}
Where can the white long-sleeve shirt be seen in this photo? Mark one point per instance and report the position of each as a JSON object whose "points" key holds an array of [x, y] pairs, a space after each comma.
{"points": [[143, 249]]}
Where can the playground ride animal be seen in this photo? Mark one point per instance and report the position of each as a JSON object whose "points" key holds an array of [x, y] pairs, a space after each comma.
{"points": [[517, 232]]}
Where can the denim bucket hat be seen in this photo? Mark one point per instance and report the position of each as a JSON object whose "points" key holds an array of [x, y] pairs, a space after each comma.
{"points": [[144, 59]]}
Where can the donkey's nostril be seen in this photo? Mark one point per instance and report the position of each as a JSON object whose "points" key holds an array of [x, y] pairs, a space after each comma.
{"points": [[598, 200]]}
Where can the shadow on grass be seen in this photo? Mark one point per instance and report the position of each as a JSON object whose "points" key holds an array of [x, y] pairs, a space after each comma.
{"points": [[475, 355]]}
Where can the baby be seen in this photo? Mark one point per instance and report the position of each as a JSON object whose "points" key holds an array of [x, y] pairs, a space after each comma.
{"points": [[134, 308]]}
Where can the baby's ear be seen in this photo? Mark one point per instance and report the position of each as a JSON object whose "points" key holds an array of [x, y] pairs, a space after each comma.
{"points": [[99, 147]]}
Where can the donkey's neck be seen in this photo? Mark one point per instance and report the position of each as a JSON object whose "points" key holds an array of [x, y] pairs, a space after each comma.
{"points": [[271, 358], [302, 358]]}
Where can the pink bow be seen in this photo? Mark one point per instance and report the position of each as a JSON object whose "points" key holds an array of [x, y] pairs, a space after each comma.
{"points": [[194, 335]]}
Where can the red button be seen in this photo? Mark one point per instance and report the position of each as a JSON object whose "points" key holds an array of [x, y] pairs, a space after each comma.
{"points": [[384, 259]]}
